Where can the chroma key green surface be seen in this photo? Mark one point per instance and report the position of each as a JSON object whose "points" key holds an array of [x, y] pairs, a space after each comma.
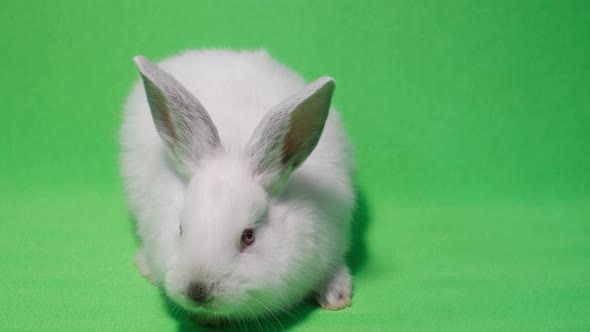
{"points": [[470, 119]]}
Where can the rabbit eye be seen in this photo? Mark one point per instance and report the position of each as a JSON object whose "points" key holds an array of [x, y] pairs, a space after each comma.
{"points": [[247, 238]]}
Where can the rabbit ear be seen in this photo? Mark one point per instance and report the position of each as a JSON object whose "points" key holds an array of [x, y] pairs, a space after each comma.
{"points": [[181, 121], [288, 134]]}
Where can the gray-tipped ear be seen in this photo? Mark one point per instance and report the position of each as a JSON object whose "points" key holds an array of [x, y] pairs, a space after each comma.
{"points": [[288, 134], [181, 121]]}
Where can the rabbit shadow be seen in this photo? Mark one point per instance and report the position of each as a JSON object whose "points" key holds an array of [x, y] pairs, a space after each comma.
{"points": [[358, 254], [356, 260], [280, 322]]}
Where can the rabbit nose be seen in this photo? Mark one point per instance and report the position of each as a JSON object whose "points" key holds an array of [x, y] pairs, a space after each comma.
{"points": [[197, 291]]}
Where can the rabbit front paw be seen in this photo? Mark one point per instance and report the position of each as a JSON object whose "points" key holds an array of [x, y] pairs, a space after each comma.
{"points": [[336, 294]]}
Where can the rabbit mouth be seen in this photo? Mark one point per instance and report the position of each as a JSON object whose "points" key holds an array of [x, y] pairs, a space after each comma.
{"points": [[207, 307], [214, 308], [200, 310]]}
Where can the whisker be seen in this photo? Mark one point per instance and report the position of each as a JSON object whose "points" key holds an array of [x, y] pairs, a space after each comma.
{"points": [[269, 311], [266, 321], [230, 321]]}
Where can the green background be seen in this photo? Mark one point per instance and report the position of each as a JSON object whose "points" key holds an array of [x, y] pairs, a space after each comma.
{"points": [[471, 122]]}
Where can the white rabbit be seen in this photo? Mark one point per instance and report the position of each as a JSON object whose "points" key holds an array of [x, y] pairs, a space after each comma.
{"points": [[243, 197]]}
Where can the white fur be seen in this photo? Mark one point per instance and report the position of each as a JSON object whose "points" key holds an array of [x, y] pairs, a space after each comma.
{"points": [[302, 230]]}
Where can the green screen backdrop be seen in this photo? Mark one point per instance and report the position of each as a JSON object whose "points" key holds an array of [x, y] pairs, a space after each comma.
{"points": [[470, 119]]}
